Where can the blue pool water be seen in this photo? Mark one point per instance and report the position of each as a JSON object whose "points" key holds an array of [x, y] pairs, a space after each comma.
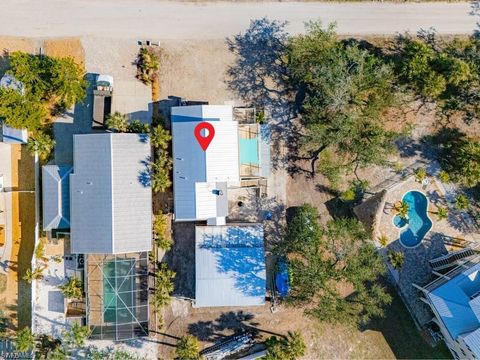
{"points": [[249, 151], [418, 223]]}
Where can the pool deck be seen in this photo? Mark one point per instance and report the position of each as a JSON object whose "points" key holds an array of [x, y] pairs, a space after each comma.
{"points": [[416, 267], [453, 226]]}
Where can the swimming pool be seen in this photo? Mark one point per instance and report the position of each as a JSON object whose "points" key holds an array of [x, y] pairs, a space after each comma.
{"points": [[249, 151], [417, 224]]}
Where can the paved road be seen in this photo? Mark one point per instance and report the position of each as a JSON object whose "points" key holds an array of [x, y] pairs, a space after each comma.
{"points": [[176, 20]]}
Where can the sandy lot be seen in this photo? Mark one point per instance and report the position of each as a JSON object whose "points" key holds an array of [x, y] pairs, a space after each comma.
{"points": [[131, 19]]}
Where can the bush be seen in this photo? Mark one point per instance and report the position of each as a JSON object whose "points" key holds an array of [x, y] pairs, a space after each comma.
{"points": [[148, 64], [348, 195], [188, 348]]}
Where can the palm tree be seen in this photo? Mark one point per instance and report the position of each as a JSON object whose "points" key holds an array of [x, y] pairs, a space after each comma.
{"points": [[444, 177], [24, 341], [383, 239], [41, 143], [461, 202], [188, 348], [31, 275], [76, 336], [396, 258], [442, 213], [402, 209], [420, 174], [290, 347], [117, 122], [164, 286], [160, 137], [73, 288]]}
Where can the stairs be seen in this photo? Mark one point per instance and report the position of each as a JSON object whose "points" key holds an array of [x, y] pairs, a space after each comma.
{"points": [[451, 259]]}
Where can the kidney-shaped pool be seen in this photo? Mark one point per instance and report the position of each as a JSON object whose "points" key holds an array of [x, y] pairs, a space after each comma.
{"points": [[417, 224]]}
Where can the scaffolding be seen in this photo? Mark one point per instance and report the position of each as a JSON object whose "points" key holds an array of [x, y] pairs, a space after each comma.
{"points": [[117, 296]]}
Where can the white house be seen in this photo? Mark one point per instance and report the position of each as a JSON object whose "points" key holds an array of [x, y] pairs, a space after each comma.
{"points": [[201, 178]]}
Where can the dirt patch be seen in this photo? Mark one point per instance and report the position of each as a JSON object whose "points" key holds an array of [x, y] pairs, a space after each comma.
{"points": [[195, 70], [68, 47], [10, 44]]}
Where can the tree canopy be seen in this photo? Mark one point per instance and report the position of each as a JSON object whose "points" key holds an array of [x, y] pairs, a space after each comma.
{"points": [[290, 347], [459, 156], [21, 111], [446, 72], [347, 91], [323, 260], [48, 78]]}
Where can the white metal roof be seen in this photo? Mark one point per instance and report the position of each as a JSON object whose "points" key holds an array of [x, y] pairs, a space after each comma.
{"points": [[229, 266], [111, 198], [14, 136], [198, 173]]}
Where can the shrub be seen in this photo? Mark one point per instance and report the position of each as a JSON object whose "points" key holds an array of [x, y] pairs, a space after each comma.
{"points": [[148, 64], [348, 195]]}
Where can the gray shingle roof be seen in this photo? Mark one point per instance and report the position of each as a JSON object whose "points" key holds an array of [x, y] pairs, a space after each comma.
{"points": [[111, 197]]}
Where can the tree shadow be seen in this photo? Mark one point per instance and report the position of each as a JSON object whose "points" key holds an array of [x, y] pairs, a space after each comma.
{"points": [[228, 323], [240, 254], [259, 77]]}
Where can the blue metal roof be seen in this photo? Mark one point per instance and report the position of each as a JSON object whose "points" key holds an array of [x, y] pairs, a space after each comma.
{"points": [[456, 302]]}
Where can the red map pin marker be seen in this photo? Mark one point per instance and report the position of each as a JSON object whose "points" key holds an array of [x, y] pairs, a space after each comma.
{"points": [[204, 132]]}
